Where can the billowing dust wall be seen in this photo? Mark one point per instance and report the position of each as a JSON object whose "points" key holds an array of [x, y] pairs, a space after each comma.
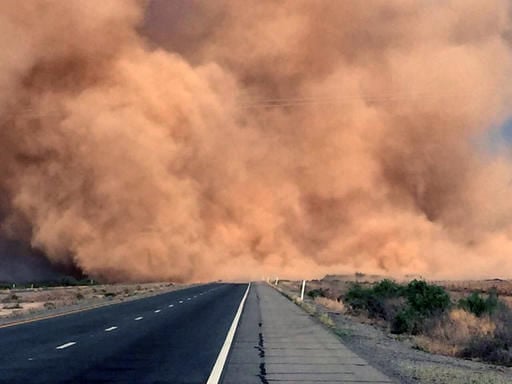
{"points": [[196, 140]]}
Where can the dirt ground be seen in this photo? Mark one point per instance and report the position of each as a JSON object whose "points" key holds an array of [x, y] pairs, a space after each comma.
{"points": [[396, 356], [21, 304]]}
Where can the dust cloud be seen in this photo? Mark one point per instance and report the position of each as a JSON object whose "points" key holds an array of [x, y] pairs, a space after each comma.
{"points": [[192, 140]]}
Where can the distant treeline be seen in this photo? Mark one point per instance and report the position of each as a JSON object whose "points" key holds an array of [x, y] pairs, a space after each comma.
{"points": [[66, 281]]}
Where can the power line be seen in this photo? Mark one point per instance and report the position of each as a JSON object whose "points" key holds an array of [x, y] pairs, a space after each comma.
{"points": [[306, 101], [278, 102]]}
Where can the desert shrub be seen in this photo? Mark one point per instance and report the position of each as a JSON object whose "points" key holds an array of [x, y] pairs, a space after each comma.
{"points": [[405, 307], [426, 299], [79, 296], [11, 298], [496, 347], [387, 288], [379, 301], [357, 297], [65, 281], [490, 349], [423, 302], [453, 331], [405, 321], [110, 294], [68, 281], [479, 306], [319, 292], [462, 333]]}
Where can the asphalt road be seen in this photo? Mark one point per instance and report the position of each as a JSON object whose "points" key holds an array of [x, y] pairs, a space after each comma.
{"points": [[170, 338]]}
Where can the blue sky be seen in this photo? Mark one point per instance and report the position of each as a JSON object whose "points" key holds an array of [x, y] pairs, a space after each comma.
{"points": [[506, 131], [499, 138]]}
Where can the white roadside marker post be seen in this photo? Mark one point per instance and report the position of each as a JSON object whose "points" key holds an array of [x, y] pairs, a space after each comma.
{"points": [[302, 290]]}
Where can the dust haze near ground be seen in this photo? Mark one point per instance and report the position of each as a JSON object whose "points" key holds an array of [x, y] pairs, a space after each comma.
{"points": [[191, 140], [27, 265]]}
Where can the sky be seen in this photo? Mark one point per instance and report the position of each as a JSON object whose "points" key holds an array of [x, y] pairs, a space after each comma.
{"points": [[233, 140]]}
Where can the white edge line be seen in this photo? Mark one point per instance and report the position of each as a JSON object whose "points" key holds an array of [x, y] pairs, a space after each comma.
{"points": [[66, 345], [223, 354]]}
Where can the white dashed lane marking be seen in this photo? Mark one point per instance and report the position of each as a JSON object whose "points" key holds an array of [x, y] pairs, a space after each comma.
{"points": [[171, 305], [110, 329], [67, 345], [158, 310], [138, 318], [181, 301]]}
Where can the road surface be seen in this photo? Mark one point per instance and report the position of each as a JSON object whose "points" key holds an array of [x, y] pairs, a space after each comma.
{"points": [[177, 338], [277, 342], [170, 338]]}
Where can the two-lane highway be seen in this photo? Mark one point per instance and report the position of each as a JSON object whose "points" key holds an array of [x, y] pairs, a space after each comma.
{"points": [[169, 338]]}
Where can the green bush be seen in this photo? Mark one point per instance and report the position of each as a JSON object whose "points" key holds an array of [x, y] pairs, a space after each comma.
{"points": [[479, 306], [357, 297], [320, 292], [426, 299], [406, 321], [378, 300], [387, 288], [423, 301], [405, 307]]}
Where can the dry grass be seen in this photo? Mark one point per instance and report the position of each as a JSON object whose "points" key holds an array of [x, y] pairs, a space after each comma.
{"points": [[330, 304], [326, 320], [452, 333]]}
